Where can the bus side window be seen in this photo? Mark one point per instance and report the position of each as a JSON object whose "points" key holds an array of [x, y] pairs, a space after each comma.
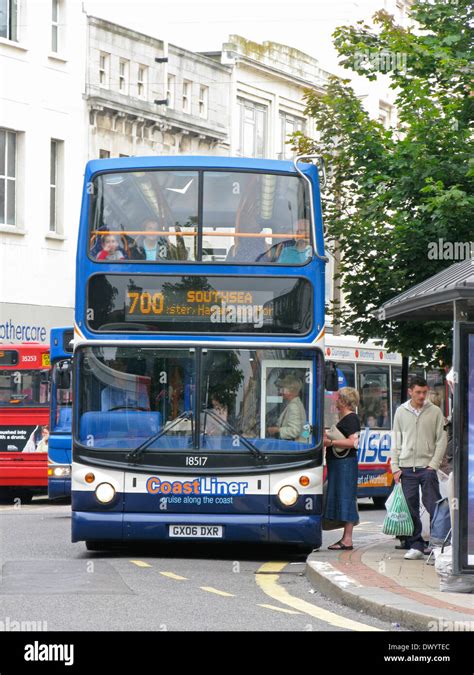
{"points": [[373, 385]]}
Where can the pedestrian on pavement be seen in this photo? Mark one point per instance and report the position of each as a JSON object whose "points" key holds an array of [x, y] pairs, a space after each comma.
{"points": [[419, 444], [342, 467]]}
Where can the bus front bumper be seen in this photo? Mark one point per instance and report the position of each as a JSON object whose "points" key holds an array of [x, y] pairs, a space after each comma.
{"points": [[301, 530], [59, 488]]}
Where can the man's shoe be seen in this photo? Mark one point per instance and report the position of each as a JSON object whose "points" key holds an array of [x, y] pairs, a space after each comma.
{"points": [[414, 554]]}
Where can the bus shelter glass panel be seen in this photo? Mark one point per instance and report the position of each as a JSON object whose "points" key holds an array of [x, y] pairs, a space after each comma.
{"points": [[255, 217], [373, 383], [129, 394], [61, 405], [144, 216], [24, 388], [469, 479], [345, 378]]}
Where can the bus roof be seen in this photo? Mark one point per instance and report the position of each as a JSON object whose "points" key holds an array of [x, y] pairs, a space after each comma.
{"points": [[61, 342], [189, 162]]}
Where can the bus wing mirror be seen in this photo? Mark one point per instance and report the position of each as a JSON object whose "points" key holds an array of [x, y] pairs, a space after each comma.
{"points": [[63, 377], [331, 382]]}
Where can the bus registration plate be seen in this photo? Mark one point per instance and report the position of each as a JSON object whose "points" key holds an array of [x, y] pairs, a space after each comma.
{"points": [[197, 531]]}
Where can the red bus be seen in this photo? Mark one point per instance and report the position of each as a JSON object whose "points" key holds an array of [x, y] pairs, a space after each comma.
{"points": [[24, 419]]}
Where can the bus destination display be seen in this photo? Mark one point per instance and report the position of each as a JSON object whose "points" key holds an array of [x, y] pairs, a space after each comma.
{"points": [[152, 303]]}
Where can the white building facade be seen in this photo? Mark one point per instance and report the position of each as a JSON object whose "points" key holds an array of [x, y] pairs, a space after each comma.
{"points": [[75, 87], [145, 97], [42, 155]]}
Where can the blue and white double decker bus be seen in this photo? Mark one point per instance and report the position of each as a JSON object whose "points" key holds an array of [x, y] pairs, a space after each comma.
{"points": [[198, 360], [60, 436]]}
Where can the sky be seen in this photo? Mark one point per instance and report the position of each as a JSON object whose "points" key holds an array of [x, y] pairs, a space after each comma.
{"points": [[204, 26]]}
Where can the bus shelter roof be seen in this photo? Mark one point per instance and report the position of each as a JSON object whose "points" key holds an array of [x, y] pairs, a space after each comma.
{"points": [[433, 299]]}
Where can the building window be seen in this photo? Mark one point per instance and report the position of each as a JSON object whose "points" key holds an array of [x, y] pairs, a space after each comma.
{"points": [[142, 81], [104, 154], [53, 184], [123, 75], [104, 69], [187, 96], [55, 13], [7, 177], [170, 91], [203, 101], [9, 19], [385, 114], [288, 125], [252, 129]]}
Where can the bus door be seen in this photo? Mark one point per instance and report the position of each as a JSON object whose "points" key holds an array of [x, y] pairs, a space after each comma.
{"points": [[375, 441]]}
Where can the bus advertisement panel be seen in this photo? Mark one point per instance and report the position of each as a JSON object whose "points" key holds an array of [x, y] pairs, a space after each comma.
{"points": [[24, 416], [60, 439], [199, 368]]}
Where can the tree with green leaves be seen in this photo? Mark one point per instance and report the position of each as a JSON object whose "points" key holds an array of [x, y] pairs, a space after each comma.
{"points": [[393, 191]]}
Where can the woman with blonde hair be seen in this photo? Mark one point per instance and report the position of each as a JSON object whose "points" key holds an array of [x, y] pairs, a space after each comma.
{"points": [[342, 469]]}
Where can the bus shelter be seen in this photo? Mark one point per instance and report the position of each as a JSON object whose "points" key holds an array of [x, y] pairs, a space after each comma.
{"points": [[449, 296]]}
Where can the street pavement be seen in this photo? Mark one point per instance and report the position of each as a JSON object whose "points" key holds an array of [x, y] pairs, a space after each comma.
{"points": [[60, 586], [376, 578]]}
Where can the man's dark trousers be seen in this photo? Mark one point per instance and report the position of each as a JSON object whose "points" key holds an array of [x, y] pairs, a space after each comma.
{"points": [[411, 482]]}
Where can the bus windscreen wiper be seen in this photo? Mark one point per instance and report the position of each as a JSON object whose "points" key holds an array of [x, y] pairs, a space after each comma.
{"points": [[186, 415], [228, 427]]}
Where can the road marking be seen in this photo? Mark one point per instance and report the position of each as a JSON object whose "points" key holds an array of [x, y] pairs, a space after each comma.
{"points": [[280, 609], [172, 575], [140, 563], [217, 591], [267, 580]]}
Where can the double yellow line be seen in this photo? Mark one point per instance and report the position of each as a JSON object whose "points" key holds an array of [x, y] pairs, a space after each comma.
{"points": [[267, 580]]}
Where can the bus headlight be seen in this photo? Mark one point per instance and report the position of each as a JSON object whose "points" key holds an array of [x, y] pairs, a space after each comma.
{"points": [[288, 495], [60, 471], [105, 492]]}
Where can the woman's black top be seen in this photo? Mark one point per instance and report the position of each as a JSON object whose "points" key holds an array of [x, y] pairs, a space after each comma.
{"points": [[348, 425]]}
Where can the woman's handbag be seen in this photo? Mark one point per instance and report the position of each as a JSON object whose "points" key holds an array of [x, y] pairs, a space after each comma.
{"points": [[334, 434]]}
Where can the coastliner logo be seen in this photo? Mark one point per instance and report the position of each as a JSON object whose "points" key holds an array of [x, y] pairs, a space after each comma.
{"points": [[198, 486]]}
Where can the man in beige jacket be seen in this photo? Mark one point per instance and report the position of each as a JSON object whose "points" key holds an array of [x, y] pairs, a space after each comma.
{"points": [[419, 444]]}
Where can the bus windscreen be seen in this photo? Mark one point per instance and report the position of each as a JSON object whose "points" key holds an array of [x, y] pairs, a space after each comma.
{"points": [[209, 216]]}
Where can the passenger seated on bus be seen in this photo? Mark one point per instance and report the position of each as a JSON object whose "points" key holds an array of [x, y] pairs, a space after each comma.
{"points": [[247, 248], [290, 423], [111, 250], [291, 251], [219, 409], [153, 246], [383, 420], [371, 422]]}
